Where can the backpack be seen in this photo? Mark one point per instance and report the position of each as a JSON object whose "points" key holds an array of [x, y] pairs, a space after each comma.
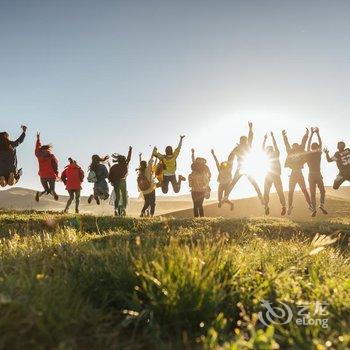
{"points": [[143, 183], [92, 177]]}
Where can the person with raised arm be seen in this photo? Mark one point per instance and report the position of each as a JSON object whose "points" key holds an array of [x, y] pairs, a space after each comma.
{"points": [[224, 179], [241, 151], [342, 158], [273, 177], [117, 177], [295, 161], [313, 159], [147, 186], [169, 167], [48, 169], [9, 174], [73, 176]]}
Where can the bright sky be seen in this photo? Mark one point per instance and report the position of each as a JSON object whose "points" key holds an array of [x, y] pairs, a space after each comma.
{"points": [[98, 76]]}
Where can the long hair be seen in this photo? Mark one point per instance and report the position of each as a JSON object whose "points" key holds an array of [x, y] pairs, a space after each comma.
{"points": [[95, 161], [4, 141]]}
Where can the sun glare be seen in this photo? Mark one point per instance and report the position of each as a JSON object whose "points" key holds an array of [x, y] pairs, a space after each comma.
{"points": [[256, 165]]}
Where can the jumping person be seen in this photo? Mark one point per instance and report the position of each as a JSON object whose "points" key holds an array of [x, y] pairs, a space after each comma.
{"points": [[9, 174], [117, 177], [241, 151], [168, 162], [313, 158], [48, 169], [200, 160], [147, 186], [295, 161], [199, 183], [273, 177], [342, 158], [98, 173], [224, 180], [73, 176]]}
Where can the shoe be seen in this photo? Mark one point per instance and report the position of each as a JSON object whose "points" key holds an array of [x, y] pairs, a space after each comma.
{"points": [[90, 199], [97, 200], [284, 211], [65, 211], [314, 213], [324, 211], [232, 206], [76, 211], [11, 181], [219, 205], [3, 181], [267, 210], [289, 211], [18, 174], [55, 196], [311, 208], [37, 196], [182, 178]]}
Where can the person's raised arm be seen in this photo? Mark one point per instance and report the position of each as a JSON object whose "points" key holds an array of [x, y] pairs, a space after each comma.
{"points": [[129, 155], [328, 157], [192, 155], [156, 154], [274, 142], [286, 141], [140, 157], [317, 131], [232, 156], [180, 142], [304, 139], [16, 143], [310, 139], [216, 160], [264, 143], [250, 134], [37, 144]]}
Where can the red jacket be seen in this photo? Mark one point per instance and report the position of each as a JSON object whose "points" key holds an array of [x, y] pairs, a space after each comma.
{"points": [[48, 164], [72, 177]]}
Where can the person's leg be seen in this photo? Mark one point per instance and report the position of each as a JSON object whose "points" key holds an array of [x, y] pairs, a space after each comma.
{"points": [[302, 185], [312, 185], [146, 203], [220, 194], [267, 189], [77, 201], [339, 180], [152, 202], [124, 193], [3, 182], [11, 179], [175, 183], [70, 200], [195, 206], [292, 185], [233, 183], [117, 196], [165, 184], [200, 202], [321, 187], [277, 181], [257, 189], [52, 186]]}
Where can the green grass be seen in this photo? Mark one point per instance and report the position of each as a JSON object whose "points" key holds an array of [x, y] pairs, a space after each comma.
{"points": [[70, 282]]}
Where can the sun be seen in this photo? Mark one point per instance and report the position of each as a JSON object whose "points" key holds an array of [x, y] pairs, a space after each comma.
{"points": [[256, 164]]}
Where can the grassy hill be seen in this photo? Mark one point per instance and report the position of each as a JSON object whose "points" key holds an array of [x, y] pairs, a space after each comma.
{"points": [[250, 207], [88, 282]]}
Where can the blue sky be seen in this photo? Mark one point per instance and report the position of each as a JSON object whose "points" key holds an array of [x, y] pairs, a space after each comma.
{"points": [[98, 76]]}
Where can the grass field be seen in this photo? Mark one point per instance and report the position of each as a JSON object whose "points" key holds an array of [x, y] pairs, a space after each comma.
{"points": [[88, 282]]}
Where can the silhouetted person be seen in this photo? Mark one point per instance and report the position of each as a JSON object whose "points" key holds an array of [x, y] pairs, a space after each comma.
{"points": [[98, 175], [224, 180], [200, 160], [313, 158], [48, 169], [147, 186], [9, 174], [295, 161], [168, 164], [117, 177], [199, 182], [241, 151], [273, 177], [342, 158], [73, 176]]}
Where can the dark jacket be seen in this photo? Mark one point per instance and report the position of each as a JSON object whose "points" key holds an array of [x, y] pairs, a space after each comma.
{"points": [[8, 158]]}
